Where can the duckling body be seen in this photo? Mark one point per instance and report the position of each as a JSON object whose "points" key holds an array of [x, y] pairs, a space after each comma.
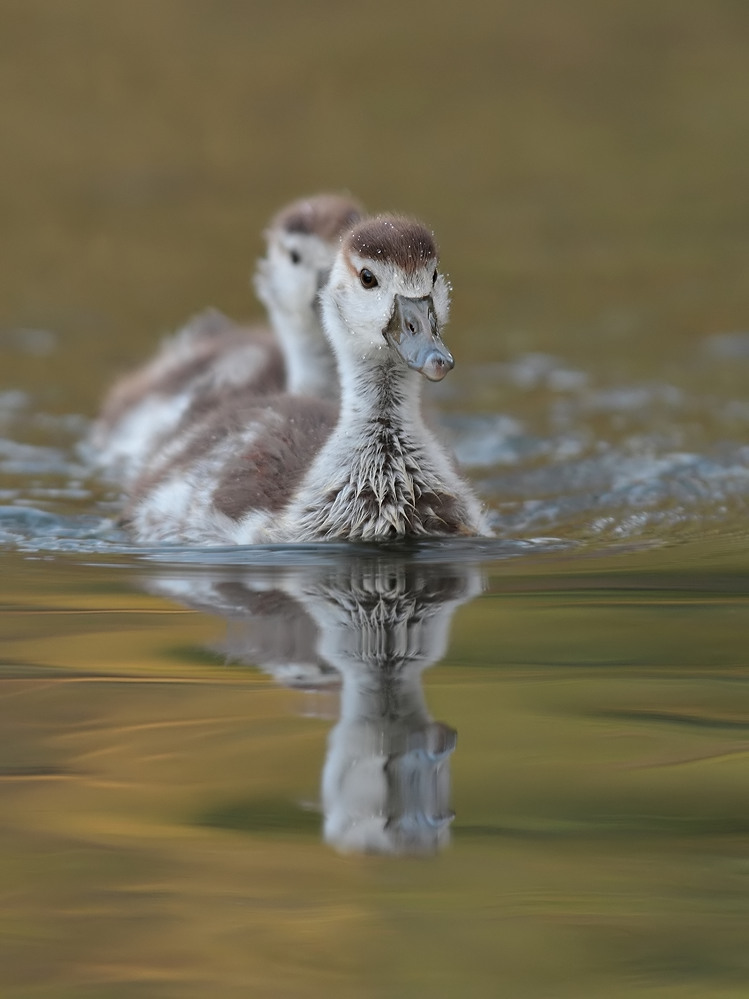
{"points": [[213, 356], [293, 469]]}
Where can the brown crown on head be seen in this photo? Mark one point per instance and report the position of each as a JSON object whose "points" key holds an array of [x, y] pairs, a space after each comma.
{"points": [[393, 239], [323, 215]]}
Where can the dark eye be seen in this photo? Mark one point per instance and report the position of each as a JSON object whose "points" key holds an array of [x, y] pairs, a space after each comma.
{"points": [[367, 278], [295, 257], [434, 277]]}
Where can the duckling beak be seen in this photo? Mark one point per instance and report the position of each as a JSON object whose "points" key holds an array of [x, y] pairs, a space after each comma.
{"points": [[413, 331]]}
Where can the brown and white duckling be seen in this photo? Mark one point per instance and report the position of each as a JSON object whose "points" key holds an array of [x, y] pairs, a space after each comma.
{"points": [[291, 469], [213, 354]]}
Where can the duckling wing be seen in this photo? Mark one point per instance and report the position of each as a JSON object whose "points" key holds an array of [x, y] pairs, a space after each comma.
{"points": [[223, 480]]}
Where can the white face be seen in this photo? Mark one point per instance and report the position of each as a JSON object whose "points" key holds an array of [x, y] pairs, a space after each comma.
{"points": [[365, 307], [289, 277]]}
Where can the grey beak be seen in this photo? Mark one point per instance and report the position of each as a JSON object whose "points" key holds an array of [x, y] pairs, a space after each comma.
{"points": [[414, 332]]}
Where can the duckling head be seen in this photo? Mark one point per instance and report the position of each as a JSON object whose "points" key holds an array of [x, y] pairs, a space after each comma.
{"points": [[302, 241], [386, 297]]}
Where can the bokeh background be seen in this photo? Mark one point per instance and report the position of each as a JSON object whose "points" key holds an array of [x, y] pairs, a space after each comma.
{"points": [[583, 164]]}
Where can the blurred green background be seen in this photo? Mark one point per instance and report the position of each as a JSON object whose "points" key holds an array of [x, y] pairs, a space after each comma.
{"points": [[582, 163]]}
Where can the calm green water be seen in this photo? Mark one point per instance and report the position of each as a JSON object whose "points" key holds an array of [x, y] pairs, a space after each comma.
{"points": [[511, 768], [174, 816]]}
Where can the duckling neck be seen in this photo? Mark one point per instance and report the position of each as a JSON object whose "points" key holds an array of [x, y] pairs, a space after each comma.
{"points": [[381, 474], [310, 365], [385, 395]]}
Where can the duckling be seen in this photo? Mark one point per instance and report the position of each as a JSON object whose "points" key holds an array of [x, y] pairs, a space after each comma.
{"points": [[212, 354], [303, 240], [292, 469]]}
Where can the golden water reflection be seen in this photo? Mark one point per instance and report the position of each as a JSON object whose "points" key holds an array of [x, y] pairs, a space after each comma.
{"points": [[368, 627], [162, 804]]}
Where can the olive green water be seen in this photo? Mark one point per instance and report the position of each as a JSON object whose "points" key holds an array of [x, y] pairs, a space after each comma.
{"points": [[514, 769]]}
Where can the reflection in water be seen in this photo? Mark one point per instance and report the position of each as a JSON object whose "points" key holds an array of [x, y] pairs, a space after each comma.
{"points": [[370, 625]]}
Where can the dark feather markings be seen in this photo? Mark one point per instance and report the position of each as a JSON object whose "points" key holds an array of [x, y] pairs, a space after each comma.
{"points": [[393, 239], [325, 215], [268, 379], [267, 474], [210, 406], [291, 431]]}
